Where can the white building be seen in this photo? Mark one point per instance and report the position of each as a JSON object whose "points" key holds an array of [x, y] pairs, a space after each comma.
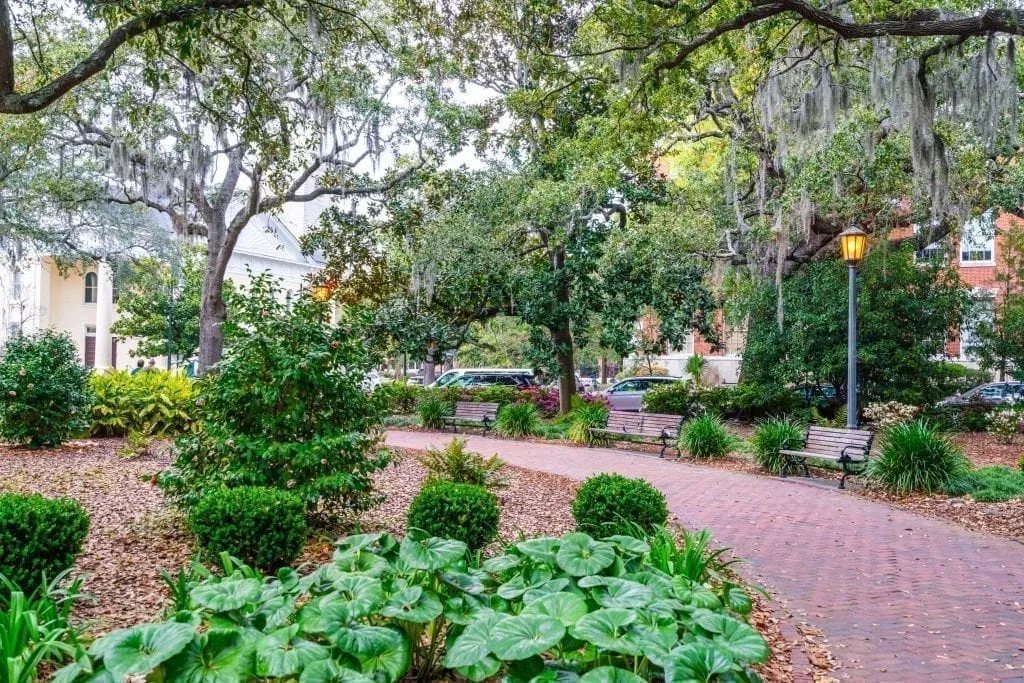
{"points": [[35, 294]]}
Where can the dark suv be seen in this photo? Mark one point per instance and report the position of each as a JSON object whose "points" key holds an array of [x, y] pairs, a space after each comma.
{"points": [[476, 380]]}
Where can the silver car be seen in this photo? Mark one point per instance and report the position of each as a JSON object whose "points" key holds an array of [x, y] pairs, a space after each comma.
{"points": [[629, 393]]}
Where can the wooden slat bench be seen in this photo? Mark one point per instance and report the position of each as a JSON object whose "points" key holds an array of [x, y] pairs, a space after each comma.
{"points": [[663, 428], [849, 447], [474, 413]]}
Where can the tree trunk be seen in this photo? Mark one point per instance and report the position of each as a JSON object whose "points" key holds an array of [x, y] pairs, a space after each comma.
{"points": [[428, 365], [603, 369], [212, 314], [562, 337]]}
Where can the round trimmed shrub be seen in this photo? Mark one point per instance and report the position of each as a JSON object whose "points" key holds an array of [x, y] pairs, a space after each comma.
{"points": [[706, 437], [464, 512], [39, 537], [44, 389], [914, 457], [773, 436], [609, 504], [263, 527], [518, 420]]}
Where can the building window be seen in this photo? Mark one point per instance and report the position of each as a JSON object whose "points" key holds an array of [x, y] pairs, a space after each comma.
{"points": [[978, 240], [983, 312], [90, 345], [735, 340], [687, 349], [932, 253], [91, 282]]}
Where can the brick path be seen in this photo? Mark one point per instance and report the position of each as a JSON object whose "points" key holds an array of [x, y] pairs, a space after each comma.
{"points": [[901, 597]]}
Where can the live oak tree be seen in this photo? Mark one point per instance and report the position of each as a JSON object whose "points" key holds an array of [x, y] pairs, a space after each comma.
{"points": [[305, 119]]}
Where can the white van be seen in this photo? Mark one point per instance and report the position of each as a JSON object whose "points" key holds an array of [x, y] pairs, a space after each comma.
{"points": [[448, 377]]}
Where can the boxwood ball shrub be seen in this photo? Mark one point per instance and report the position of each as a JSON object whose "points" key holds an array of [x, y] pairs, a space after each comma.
{"points": [[772, 436], [608, 504], [915, 457], [39, 537], [518, 420], [44, 390], [706, 437], [463, 512], [263, 527]]}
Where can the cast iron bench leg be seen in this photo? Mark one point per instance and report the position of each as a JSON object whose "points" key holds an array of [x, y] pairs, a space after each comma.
{"points": [[807, 472]]}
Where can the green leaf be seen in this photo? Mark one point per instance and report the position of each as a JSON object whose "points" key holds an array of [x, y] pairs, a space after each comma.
{"points": [[611, 591], [227, 594], [610, 674], [431, 554], [656, 634], [141, 649], [552, 586], [567, 608], [608, 628], [543, 550], [280, 653], [471, 646], [553, 674], [501, 563], [634, 546], [389, 656], [413, 604], [484, 669], [354, 596], [214, 657], [359, 640], [740, 640], [520, 583], [737, 600], [463, 610], [581, 555], [525, 636], [329, 671], [464, 582], [362, 562], [698, 662], [695, 594]]}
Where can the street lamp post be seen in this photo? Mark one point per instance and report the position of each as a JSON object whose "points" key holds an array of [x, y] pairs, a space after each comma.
{"points": [[853, 242]]}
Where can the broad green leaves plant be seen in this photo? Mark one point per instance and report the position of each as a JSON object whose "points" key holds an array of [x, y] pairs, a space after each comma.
{"points": [[549, 609]]}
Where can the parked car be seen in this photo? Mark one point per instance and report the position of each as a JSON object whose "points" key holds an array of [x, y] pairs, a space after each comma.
{"points": [[994, 393], [492, 380], [587, 383], [629, 393], [451, 376]]}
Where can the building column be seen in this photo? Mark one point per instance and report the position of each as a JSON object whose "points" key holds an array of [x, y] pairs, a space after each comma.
{"points": [[104, 315]]}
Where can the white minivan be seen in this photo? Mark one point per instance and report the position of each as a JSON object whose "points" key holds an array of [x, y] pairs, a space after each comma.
{"points": [[448, 377]]}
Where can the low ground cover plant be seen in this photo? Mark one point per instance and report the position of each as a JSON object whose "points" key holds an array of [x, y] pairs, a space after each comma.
{"points": [[914, 457], [44, 390], [457, 464], [464, 512], [151, 403], [39, 537], [706, 437], [612, 503], [264, 527], [772, 436], [36, 629], [996, 484], [383, 610], [517, 420]]}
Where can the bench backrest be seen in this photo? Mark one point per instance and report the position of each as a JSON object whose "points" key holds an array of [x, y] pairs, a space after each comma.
{"points": [[473, 410], [832, 441], [642, 424]]}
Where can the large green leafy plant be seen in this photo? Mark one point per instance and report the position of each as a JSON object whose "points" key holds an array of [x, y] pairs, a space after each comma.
{"points": [[44, 389], [153, 403], [285, 408], [564, 608]]}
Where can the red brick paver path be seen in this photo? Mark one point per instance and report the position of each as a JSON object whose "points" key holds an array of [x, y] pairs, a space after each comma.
{"points": [[901, 597]]}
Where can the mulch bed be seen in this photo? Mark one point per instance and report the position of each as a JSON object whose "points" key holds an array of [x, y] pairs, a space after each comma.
{"points": [[134, 533], [984, 449]]}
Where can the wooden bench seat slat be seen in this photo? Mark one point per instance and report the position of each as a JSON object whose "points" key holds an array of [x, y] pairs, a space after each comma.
{"points": [[472, 411], [841, 431]]}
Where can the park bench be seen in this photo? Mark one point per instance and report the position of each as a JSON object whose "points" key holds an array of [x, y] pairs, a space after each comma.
{"points": [[651, 426], [473, 413], [849, 447]]}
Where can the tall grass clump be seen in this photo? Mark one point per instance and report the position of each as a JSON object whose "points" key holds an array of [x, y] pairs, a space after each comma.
{"points": [[518, 420], [706, 437], [584, 418], [915, 457], [773, 436], [432, 411]]}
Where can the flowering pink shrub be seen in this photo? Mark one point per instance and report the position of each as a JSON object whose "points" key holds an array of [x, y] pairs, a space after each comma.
{"points": [[544, 398], [595, 399]]}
